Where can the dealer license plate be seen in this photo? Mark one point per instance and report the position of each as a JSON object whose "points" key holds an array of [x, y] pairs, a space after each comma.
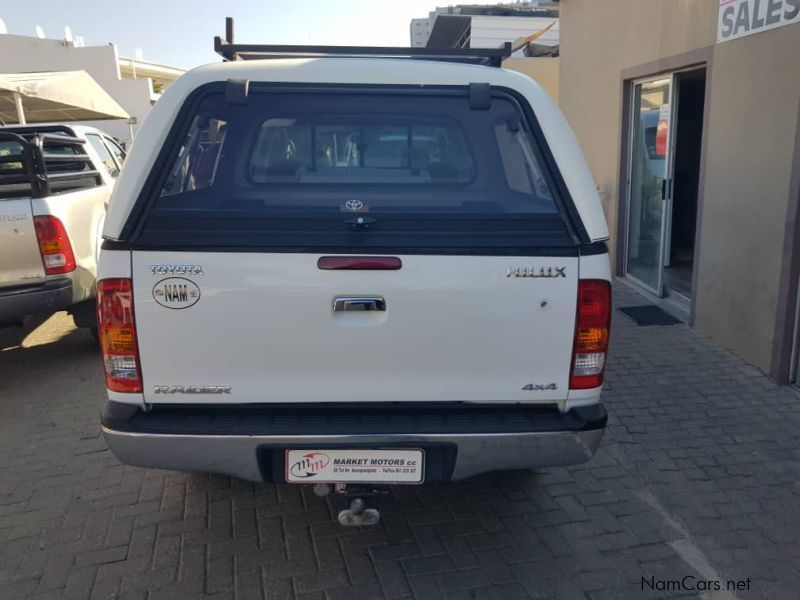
{"points": [[365, 466]]}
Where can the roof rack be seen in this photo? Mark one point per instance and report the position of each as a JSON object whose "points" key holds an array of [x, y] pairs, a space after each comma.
{"points": [[34, 170], [229, 51]]}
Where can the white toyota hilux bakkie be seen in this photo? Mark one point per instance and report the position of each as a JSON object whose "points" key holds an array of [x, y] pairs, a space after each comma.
{"points": [[354, 271]]}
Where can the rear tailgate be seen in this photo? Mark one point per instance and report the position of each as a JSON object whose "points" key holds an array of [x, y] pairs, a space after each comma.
{"points": [[231, 305], [264, 327], [20, 260]]}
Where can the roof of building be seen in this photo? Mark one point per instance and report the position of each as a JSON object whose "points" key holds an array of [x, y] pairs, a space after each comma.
{"points": [[56, 96], [136, 67]]}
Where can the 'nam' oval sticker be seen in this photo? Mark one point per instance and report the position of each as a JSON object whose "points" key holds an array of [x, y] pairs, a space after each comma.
{"points": [[176, 292]]}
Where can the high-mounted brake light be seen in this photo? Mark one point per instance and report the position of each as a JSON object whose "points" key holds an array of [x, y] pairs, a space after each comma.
{"points": [[591, 334], [54, 245], [117, 328], [359, 263]]}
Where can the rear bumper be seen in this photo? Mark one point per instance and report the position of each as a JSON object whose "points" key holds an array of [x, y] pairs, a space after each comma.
{"points": [[19, 302], [460, 440]]}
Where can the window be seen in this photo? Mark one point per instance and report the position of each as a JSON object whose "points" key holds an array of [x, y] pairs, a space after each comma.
{"points": [[522, 170], [196, 165], [103, 153], [359, 152], [395, 154], [9, 149], [116, 150]]}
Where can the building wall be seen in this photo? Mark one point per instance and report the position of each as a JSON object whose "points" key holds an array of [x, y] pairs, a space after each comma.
{"points": [[20, 54], [543, 70], [592, 62], [751, 124]]}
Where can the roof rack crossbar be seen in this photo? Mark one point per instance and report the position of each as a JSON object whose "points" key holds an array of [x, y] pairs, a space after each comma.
{"points": [[230, 51]]}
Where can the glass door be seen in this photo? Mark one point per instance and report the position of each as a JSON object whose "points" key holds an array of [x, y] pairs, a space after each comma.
{"points": [[648, 176]]}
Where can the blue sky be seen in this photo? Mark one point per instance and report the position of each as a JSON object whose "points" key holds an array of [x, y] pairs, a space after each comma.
{"points": [[180, 32]]}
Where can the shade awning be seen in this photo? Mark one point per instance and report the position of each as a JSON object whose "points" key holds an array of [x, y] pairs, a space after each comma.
{"points": [[56, 96]]}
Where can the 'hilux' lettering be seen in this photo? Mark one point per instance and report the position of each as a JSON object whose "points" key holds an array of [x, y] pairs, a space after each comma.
{"points": [[552, 272]]}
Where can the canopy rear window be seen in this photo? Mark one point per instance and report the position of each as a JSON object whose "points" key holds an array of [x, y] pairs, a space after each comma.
{"points": [[292, 169], [393, 154]]}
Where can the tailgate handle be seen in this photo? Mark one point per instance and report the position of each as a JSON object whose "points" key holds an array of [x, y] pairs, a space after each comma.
{"points": [[358, 303]]}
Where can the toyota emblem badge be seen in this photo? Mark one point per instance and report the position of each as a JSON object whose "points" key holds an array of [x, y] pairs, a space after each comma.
{"points": [[354, 205]]}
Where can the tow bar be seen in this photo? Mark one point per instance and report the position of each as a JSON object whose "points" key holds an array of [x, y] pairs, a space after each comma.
{"points": [[359, 513]]}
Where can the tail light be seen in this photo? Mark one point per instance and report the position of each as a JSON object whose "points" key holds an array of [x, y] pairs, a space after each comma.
{"points": [[591, 334], [117, 328], [54, 245]]}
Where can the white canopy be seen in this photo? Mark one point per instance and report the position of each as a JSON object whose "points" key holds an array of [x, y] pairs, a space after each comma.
{"points": [[55, 96]]}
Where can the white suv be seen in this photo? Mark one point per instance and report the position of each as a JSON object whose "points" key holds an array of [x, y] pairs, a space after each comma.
{"points": [[354, 270]]}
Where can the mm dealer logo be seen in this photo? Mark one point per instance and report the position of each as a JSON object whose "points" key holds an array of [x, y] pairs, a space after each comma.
{"points": [[309, 464]]}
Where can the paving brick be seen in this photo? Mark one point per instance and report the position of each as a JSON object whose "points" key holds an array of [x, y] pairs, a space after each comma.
{"points": [[279, 589], [22, 589], [359, 566], [495, 566], [395, 551], [219, 574], [425, 587], [465, 527], [461, 552], [79, 583], [429, 564], [459, 580], [99, 557], [321, 581], [392, 579]]}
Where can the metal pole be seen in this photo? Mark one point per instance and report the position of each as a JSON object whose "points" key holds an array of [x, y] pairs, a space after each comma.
{"points": [[229, 29], [20, 111]]}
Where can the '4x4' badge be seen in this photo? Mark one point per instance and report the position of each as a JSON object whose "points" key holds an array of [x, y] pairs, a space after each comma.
{"points": [[535, 387]]}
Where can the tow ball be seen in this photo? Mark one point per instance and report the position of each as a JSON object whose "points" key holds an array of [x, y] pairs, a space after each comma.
{"points": [[359, 514]]}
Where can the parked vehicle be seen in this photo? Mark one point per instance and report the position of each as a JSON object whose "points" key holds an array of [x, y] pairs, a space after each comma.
{"points": [[288, 294], [55, 182]]}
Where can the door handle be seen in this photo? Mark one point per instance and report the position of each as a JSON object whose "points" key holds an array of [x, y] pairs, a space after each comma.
{"points": [[358, 303]]}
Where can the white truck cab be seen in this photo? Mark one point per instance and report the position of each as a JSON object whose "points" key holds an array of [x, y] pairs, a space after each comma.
{"points": [[354, 269]]}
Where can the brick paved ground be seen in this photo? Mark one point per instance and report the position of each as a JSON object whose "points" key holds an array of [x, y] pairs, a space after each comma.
{"points": [[698, 475]]}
